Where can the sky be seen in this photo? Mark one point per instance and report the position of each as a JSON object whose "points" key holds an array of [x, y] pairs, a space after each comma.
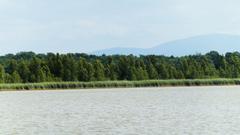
{"points": [[89, 25]]}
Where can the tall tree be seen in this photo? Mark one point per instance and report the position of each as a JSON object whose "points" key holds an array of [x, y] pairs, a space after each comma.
{"points": [[2, 74], [15, 77], [24, 71], [98, 71], [152, 72]]}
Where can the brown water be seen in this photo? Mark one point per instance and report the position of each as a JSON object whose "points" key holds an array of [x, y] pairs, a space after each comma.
{"points": [[150, 111]]}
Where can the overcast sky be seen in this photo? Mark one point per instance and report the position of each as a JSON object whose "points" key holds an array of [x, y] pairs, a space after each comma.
{"points": [[89, 25]]}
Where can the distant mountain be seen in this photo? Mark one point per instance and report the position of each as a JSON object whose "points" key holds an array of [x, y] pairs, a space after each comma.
{"points": [[199, 44]]}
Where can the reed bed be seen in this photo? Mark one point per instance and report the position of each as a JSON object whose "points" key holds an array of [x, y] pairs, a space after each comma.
{"points": [[117, 84]]}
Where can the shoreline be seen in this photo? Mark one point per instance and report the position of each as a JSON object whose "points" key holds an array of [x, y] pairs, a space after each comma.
{"points": [[118, 84], [123, 88]]}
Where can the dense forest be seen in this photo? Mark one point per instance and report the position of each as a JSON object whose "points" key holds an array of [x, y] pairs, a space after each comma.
{"points": [[27, 67]]}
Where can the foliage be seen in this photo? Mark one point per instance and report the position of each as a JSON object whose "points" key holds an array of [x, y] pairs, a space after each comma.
{"points": [[28, 67]]}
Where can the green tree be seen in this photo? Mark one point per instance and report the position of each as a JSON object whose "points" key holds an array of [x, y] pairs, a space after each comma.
{"points": [[15, 77], [152, 72], [24, 71], [90, 70], [37, 74], [2, 74], [162, 71], [12, 67], [98, 71], [69, 68], [82, 71], [113, 72]]}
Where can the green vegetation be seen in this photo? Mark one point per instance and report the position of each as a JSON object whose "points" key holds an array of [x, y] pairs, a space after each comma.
{"points": [[42, 70], [117, 84]]}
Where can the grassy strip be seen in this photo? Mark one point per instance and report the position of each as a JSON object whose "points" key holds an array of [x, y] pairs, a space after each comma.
{"points": [[118, 84]]}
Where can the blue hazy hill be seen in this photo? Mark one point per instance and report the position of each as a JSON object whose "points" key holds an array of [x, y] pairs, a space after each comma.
{"points": [[199, 44]]}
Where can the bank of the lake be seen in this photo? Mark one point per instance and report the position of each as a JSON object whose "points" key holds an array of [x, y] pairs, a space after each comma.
{"points": [[118, 84]]}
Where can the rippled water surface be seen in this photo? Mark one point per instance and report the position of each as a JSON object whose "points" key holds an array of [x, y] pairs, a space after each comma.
{"points": [[149, 111]]}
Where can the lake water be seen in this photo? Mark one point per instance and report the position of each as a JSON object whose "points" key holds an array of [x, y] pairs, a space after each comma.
{"points": [[148, 111]]}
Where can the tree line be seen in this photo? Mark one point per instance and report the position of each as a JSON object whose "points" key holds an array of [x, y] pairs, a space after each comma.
{"points": [[28, 67]]}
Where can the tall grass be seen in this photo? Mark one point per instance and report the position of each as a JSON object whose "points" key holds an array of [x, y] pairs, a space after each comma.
{"points": [[118, 84]]}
